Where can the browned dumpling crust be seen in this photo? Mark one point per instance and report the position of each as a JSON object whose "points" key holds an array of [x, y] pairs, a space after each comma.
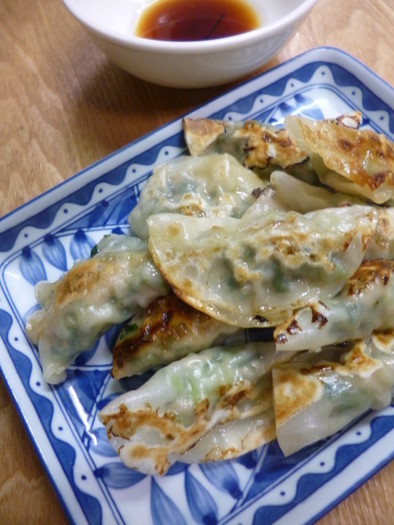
{"points": [[167, 330], [254, 144], [201, 134], [361, 156], [323, 391], [364, 305]]}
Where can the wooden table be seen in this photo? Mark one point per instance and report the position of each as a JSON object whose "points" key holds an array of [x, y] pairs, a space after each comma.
{"points": [[62, 107]]}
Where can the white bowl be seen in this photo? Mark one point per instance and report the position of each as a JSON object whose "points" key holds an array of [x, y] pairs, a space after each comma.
{"points": [[112, 23]]}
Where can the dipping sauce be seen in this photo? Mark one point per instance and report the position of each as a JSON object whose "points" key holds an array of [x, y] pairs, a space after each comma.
{"points": [[192, 20]]}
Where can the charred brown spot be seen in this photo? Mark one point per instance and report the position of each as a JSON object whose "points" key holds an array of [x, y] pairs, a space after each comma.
{"points": [[222, 390], [357, 359], [257, 192], [357, 362], [266, 137], [249, 124], [351, 120], [345, 144], [318, 318], [260, 319], [281, 338], [378, 179], [231, 399], [284, 141], [249, 147], [369, 273], [293, 327], [383, 339], [201, 408]]}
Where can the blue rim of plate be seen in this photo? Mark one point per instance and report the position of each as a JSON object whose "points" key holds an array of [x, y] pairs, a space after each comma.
{"points": [[43, 238]]}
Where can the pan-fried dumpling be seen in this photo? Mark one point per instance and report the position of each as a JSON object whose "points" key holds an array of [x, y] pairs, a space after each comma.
{"points": [[156, 424], [166, 331], [255, 271], [214, 185], [252, 143], [289, 193], [353, 161], [319, 393], [92, 296], [364, 305]]}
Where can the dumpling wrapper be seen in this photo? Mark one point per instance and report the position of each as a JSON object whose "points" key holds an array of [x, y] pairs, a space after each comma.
{"points": [[166, 331], [208, 186], [234, 438], [88, 299], [254, 271], [354, 161], [363, 306], [298, 195], [162, 420], [319, 393]]}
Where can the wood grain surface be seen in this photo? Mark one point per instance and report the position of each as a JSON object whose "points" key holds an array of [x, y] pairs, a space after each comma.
{"points": [[63, 107]]}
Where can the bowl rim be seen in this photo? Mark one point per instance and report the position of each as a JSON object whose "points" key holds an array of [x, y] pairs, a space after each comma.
{"points": [[291, 19]]}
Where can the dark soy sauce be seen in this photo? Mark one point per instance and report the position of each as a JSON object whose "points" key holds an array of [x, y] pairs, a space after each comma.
{"points": [[193, 20]]}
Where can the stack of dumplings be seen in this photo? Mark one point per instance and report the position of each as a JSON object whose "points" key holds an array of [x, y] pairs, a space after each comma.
{"points": [[256, 285]]}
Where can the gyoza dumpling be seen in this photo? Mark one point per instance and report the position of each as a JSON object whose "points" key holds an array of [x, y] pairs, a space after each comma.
{"points": [[92, 296], [166, 331], [319, 393], [287, 192], [209, 186], [254, 144], [349, 160], [256, 270], [364, 305], [153, 426]]}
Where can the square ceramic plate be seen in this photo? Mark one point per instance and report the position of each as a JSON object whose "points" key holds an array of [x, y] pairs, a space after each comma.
{"points": [[43, 238]]}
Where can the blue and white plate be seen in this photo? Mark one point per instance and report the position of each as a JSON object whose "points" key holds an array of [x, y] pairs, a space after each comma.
{"points": [[43, 238]]}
